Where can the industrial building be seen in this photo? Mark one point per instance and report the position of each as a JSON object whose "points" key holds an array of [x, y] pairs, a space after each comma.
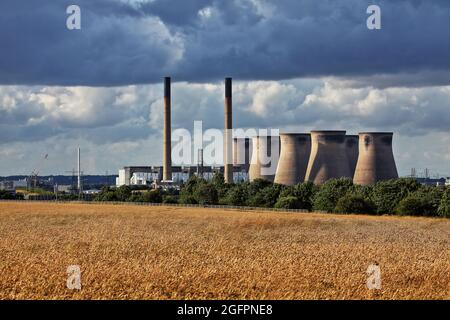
{"points": [[316, 156]]}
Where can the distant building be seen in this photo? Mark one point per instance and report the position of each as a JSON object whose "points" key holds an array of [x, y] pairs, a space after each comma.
{"points": [[7, 185], [11, 185], [432, 181], [65, 188], [152, 176], [91, 191]]}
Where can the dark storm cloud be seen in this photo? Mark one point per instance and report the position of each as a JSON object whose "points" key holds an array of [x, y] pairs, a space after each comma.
{"points": [[124, 42]]}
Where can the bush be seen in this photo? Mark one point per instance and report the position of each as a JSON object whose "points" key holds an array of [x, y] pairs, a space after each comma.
{"points": [[219, 184], [152, 196], [186, 198], [5, 195], [303, 192], [170, 199], [412, 206], [363, 191], [288, 202], [386, 195], [266, 197], [123, 193], [444, 205], [136, 198], [237, 195], [357, 204], [326, 198], [107, 194], [187, 191], [206, 194]]}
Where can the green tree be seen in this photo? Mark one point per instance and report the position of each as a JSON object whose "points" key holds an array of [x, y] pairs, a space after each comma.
{"points": [[265, 197], [431, 197], [152, 196], [304, 192], [136, 197], [411, 205], [5, 195], [326, 198], [444, 205], [188, 189], [123, 193], [288, 202], [106, 194], [206, 194], [168, 198], [237, 195], [218, 181], [387, 194], [357, 204]]}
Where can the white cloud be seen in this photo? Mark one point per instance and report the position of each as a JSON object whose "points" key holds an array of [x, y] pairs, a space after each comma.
{"points": [[122, 125]]}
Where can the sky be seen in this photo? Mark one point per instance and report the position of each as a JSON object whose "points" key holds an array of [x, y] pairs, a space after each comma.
{"points": [[296, 65]]}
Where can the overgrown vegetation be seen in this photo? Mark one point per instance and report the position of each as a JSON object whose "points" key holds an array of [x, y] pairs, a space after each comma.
{"points": [[400, 196], [5, 195]]}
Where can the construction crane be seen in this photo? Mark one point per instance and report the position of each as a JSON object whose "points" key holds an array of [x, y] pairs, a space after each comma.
{"points": [[33, 179]]}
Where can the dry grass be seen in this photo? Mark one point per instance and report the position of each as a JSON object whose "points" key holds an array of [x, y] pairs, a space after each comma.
{"points": [[130, 252]]}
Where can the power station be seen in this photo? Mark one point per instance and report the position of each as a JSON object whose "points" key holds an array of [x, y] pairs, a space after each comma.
{"points": [[287, 159]]}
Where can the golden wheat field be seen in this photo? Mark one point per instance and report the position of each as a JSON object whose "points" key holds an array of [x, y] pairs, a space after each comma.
{"points": [[139, 252]]}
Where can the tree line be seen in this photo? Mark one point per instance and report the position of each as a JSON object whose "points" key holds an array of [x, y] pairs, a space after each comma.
{"points": [[404, 196]]}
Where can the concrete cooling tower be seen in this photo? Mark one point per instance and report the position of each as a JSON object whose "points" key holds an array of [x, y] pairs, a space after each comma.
{"points": [[263, 164], [294, 156], [351, 145], [242, 153], [328, 157], [376, 159]]}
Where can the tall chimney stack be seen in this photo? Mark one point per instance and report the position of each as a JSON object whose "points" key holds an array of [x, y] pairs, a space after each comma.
{"points": [[228, 161], [79, 170], [167, 161]]}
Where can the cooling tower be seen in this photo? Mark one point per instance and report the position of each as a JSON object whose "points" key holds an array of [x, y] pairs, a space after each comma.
{"points": [[328, 157], [263, 164], [228, 161], [351, 145], [376, 159], [167, 161], [294, 156], [242, 153]]}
